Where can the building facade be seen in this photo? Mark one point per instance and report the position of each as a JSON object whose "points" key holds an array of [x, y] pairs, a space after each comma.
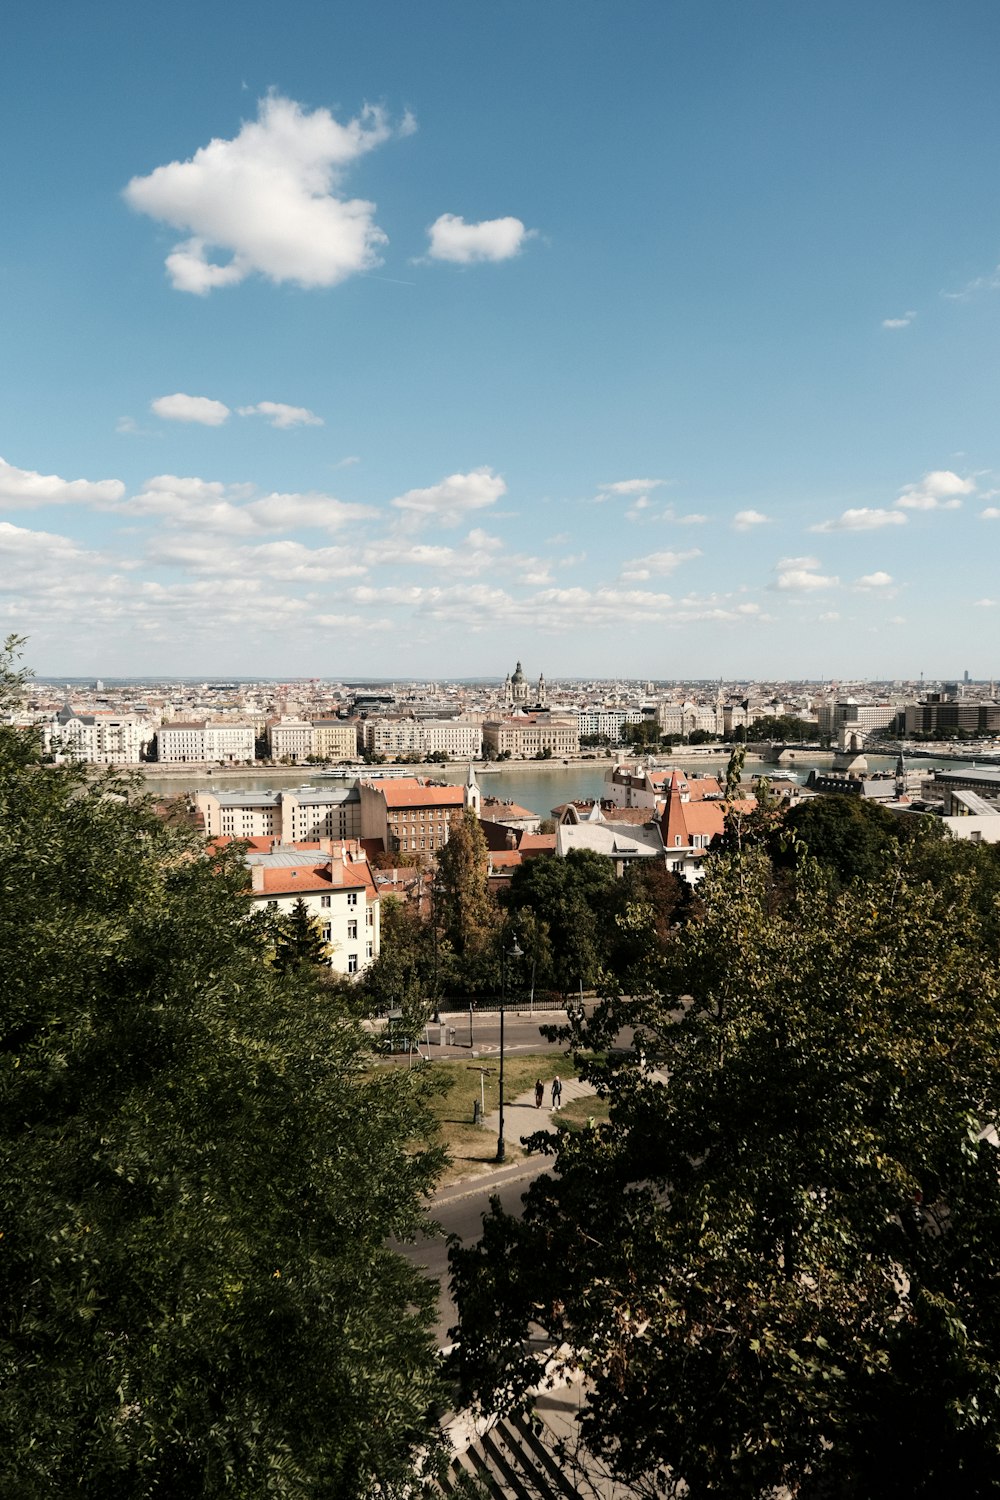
{"points": [[527, 735]]}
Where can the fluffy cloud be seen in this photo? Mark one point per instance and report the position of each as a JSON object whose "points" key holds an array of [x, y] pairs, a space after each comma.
{"points": [[32, 550], [798, 575], [452, 499], [280, 415], [987, 604], [694, 518], [181, 408], [628, 487], [206, 505], [903, 322], [991, 513], [283, 561], [23, 489], [452, 239], [656, 564], [862, 519], [267, 199], [744, 520], [872, 581], [939, 490]]}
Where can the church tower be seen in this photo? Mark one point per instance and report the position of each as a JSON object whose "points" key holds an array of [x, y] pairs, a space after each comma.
{"points": [[473, 797], [541, 690]]}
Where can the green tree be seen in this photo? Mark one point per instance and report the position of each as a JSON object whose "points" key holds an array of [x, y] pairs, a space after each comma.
{"points": [[571, 898], [777, 1264], [299, 942], [199, 1171], [465, 911], [402, 977], [853, 837]]}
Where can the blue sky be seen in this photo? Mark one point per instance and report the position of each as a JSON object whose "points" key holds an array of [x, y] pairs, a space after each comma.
{"points": [[407, 339]]}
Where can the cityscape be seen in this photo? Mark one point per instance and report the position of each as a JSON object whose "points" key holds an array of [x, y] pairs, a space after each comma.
{"points": [[500, 751]]}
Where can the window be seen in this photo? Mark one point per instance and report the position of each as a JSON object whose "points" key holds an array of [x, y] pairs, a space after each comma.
{"points": [[325, 900], [352, 898], [352, 930], [369, 950], [327, 932], [370, 917], [352, 963], [273, 905]]}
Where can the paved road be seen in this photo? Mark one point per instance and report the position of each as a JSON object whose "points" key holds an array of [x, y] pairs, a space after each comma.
{"points": [[459, 1210]]}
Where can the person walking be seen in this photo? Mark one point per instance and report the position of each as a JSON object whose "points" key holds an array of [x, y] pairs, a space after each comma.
{"points": [[556, 1092], [539, 1093]]}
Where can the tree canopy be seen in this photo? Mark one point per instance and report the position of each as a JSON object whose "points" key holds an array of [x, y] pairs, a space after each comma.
{"points": [[199, 1168], [778, 1263]]}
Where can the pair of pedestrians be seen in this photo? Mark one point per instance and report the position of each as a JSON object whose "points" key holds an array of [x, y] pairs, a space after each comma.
{"points": [[556, 1092]]}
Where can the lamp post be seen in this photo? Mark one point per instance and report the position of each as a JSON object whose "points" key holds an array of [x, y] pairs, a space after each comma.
{"points": [[514, 953]]}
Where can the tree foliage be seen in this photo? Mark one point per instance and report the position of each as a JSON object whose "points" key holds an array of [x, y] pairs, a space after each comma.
{"points": [[199, 1168], [464, 908], [300, 943], [779, 1262]]}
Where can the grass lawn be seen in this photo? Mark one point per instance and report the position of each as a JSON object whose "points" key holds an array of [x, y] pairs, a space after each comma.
{"points": [[578, 1113], [471, 1149]]}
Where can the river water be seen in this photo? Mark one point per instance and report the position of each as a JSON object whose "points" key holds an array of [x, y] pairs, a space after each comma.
{"points": [[539, 787]]}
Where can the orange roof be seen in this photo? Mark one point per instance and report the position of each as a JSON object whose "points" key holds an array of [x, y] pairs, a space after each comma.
{"points": [[536, 842], [407, 792]]}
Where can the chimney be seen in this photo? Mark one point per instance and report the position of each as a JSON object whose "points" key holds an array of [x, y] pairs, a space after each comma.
{"points": [[256, 877]]}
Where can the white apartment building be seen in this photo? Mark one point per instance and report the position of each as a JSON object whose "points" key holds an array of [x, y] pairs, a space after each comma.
{"points": [[290, 739], [339, 892], [392, 737], [100, 738], [866, 716], [189, 742], [607, 721], [683, 718]]}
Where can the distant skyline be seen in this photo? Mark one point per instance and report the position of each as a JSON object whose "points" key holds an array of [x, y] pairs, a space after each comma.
{"points": [[658, 341]]}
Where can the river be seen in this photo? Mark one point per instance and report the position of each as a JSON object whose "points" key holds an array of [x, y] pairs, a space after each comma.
{"points": [[537, 786]]}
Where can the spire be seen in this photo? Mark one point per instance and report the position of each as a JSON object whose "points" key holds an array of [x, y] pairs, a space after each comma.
{"points": [[473, 797]]}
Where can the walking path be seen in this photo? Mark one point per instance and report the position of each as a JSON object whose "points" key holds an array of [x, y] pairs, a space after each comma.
{"points": [[520, 1117]]}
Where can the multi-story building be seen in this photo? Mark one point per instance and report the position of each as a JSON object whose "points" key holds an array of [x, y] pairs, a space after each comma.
{"points": [[305, 814], [335, 739], [527, 735], [410, 814], [193, 741], [392, 737], [338, 889], [290, 739], [608, 722], [100, 738], [939, 713]]}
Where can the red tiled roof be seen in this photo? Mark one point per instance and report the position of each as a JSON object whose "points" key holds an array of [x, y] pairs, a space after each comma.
{"points": [[409, 792]]}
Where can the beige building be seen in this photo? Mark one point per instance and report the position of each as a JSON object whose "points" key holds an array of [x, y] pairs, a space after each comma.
{"points": [[335, 739], [307, 813], [100, 738], [524, 736], [392, 737]]}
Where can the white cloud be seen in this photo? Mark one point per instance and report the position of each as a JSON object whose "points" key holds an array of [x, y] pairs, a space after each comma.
{"points": [[280, 415], [744, 520], [830, 615], [207, 505], [453, 498], [181, 408], [865, 518], [21, 548], [991, 513], [939, 490], [452, 239], [988, 283], [628, 487], [798, 575], [126, 425], [903, 322], [874, 581], [695, 518], [348, 462], [284, 561], [987, 604], [656, 564], [267, 199], [23, 489]]}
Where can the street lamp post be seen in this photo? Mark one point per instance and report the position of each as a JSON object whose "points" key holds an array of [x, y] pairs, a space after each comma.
{"points": [[515, 952]]}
